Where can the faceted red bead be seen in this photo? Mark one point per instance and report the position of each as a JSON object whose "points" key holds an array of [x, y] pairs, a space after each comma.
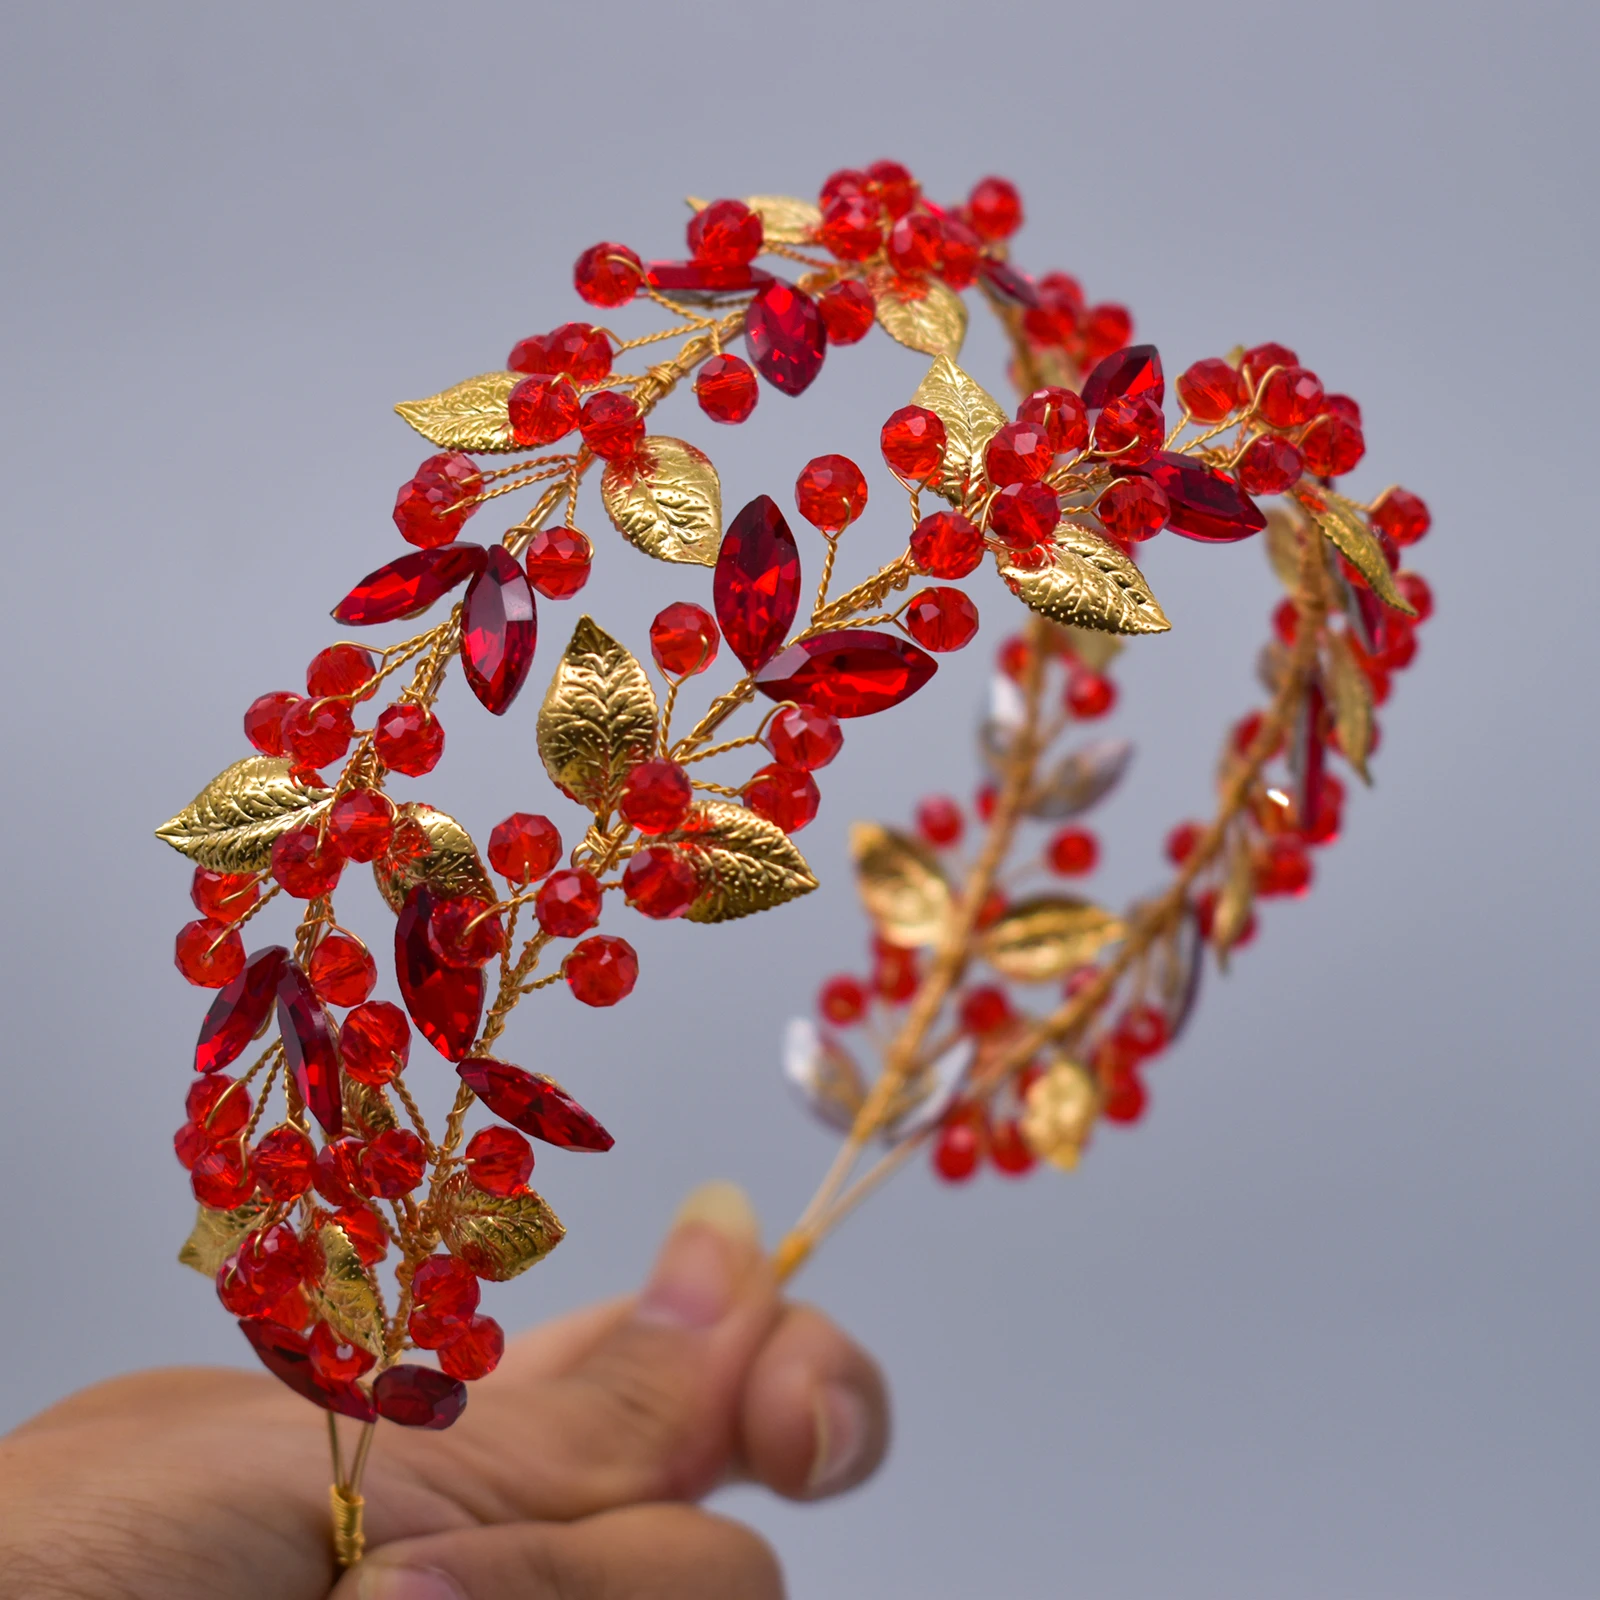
{"points": [[726, 388], [1181, 842], [1143, 1029], [336, 1360], [1341, 405], [342, 970], [309, 1050], [656, 796], [984, 1009], [726, 233], [1013, 657], [336, 1172], [1024, 514], [852, 225], [602, 970], [534, 1104], [341, 669], [607, 274], [916, 245], [499, 1161], [961, 251], [946, 545], [541, 410], [894, 972], [220, 1176], [994, 208], [317, 732], [1072, 852], [286, 1354], [1089, 694], [1021, 452], [1332, 446], [375, 1042], [365, 1231], [239, 1011], [786, 796], [445, 1002], [853, 672], [580, 351], [684, 639], [894, 185], [281, 1162], [957, 1151], [612, 425], [1269, 465], [848, 180], [449, 1290], [1131, 372], [409, 585], [1204, 504], [499, 630], [558, 562], [659, 882], [434, 504], [419, 1397], [1402, 515], [217, 1105], [463, 932], [1260, 359], [842, 1001], [1133, 508], [263, 720], [939, 821], [524, 846], [393, 1163], [1009, 1150], [1061, 412], [1123, 1096], [913, 442], [940, 619], [1210, 390], [209, 954], [785, 338], [1131, 427], [305, 864], [1282, 868], [831, 493], [476, 1352], [848, 311], [1289, 397], [1400, 647], [756, 587], [361, 823], [568, 904], [1286, 620], [1106, 328], [799, 736], [408, 738], [1414, 587], [224, 896]]}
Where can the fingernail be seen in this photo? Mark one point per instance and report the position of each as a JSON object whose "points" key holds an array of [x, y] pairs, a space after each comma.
{"points": [[841, 1419], [407, 1583], [714, 1234]]}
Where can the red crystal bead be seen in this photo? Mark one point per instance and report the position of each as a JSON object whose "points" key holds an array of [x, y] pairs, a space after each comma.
{"points": [[375, 1042], [799, 736], [684, 639], [1269, 465], [1289, 397], [580, 351], [1063, 415], [894, 972], [1332, 446], [524, 846], [531, 1102], [785, 338], [1024, 514], [1142, 1029], [1009, 284], [463, 932], [957, 1151], [994, 208], [786, 796], [1123, 1097], [1072, 852], [1131, 427], [434, 504], [1129, 373], [726, 388], [842, 1001], [1009, 1150], [914, 442], [1133, 508], [476, 1352], [1106, 328], [612, 425], [853, 672], [1414, 588], [1402, 515], [209, 954], [1260, 359], [940, 619], [305, 864], [1282, 868], [852, 225], [419, 1397], [916, 245], [341, 669], [409, 585], [309, 1049], [1089, 694], [702, 279], [1210, 390], [984, 1009], [602, 970], [263, 720], [939, 821], [656, 796], [558, 562], [541, 410], [449, 1289], [894, 186], [946, 545], [361, 823], [282, 1162], [1205, 504], [568, 904], [756, 587], [831, 493], [445, 1002], [220, 1176], [224, 896], [239, 1011], [726, 233], [1021, 452], [393, 1163], [217, 1105], [1054, 319], [408, 738], [659, 882], [499, 1161], [848, 310], [336, 1172], [286, 1354], [1181, 842], [342, 970], [364, 1231], [962, 251], [336, 1360], [317, 732], [499, 630], [607, 274], [846, 181]]}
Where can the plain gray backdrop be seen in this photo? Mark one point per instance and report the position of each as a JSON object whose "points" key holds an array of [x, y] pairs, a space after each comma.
{"points": [[1325, 1324]]}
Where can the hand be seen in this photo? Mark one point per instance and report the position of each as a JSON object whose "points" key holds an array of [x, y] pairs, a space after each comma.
{"points": [[560, 1479]]}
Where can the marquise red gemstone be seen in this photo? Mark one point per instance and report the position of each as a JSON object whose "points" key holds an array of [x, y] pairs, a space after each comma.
{"points": [[533, 1103], [309, 1048], [287, 1356], [1205, 504], [499, 630], [1010, 284], [444, 1002], [786, 338], [756, 589], [409, 585], [706, 277], [418, 1397], [853, 672], [239, 1010], [1134, 371]]}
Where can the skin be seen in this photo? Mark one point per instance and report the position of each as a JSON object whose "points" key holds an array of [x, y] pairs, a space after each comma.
{"points": [[572, 1474]]}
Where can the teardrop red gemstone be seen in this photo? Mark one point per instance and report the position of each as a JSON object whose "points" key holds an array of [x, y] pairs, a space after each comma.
{"points": [[444, 1002], [850, 673], [409, 585], [532, 1102], [706, 277], [309, 1048], [1205, 505], [499, 629], [239, 1010], [419, 1397], [1134, 371], [756, 588], [786, 337], [287, 1356]]}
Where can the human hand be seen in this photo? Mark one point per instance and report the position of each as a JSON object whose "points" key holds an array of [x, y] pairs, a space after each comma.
{"points": [[567, 1476]]}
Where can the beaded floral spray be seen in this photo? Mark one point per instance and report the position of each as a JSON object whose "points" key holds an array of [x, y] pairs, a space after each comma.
{"points": [[342, 1231]]}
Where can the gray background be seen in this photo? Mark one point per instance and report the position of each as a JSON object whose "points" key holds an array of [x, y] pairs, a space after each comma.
{"points": [[1324, 1324]]}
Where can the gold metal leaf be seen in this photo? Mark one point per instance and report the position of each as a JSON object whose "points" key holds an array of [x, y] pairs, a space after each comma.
{"points": [[667, 500], [784, 219], [469, 416], [1345, 525], [1282, 540], [346, 1297], [1089, 584], [367, 1111], [498, 1236], [745, 863], [1237, 899], [934, 320], [1058, 1114], [901, 884], [1047, 936], [598, 720], [451, 865], [971, 418], [216, 1235], [1351, 697], [230, 826]]}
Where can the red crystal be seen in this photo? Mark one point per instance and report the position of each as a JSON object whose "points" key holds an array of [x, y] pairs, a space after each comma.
{"points": [[1341, 405], [287, 1356], [433, 505], [237, 1014], [946, 545], [499, 1161], [568, 904], [408, 738], [756, 588], [852, 225], [499, 630], [445, 1293], [895, 186], [957, 1151], [1282, 868], [913, 442], [659, 882], [1123, 1096], [1131, 428], [994, 208], [263, 720], [365, 1232], [800, 736], [444, 1002], [846, 181], [831, 493], [842, 1001], [209, 954], [1130, 372], [1022, 515], [1106, 328], [1072, 852], [341, 669], [558, 562], [1414, 588], [702, 278], [894, 972], [1210, 390], [786, 796], [337, 1360], [984, 1009], [1402, 515], [306, 864], [1063, 415], [940, 619], [1133, 509], [1289, 397], [409, 585], [853, 672], [189, 1143], [221, 1177], [602, 970], [848, 311], [1009, 284], [525, 846], [1269, 465], [419, 1397], [317, 732], [336, 1171], [1009, 1150], [1205, 504], [612, 425], [582, 352], [656, 796], [342, 970], [607, 274], [1089, 694], [916, 245], [684, 639], [531, 1102], [725, 233], [309, 1049], [1260, 359], [541, 410], [1332, 446], [476, 1352], [375, 1042], [785, 338], [726, 388], [282, 1162], [1021, 452], [939, 821], [393, 1163], [217, 1105], [361, 823], [962, 250], [1181, 842]]}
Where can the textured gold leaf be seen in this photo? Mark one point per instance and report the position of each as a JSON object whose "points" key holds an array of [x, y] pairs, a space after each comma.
{"points": [[1282, 540], [231, 824], [1089, 584], [498, 1236], [1351, 697], [598, 720], [1094, 647], [745, 863], [1238, 895], [971, 418], [933, 321], [784, 219], [216, 1234], [367, 1111], [1345, 525], [469, 416], [1046, 936], [346, 1297], [901, 884], [1058, 1114], [667, 500], [451, 866]]}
